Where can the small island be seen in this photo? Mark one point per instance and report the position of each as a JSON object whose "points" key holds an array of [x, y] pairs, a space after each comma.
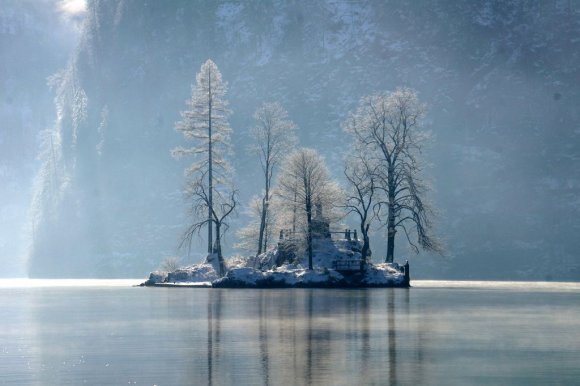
{"points": [[295, 236], [337, 264]]}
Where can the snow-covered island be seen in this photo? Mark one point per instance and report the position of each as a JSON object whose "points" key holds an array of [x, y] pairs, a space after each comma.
{"points": [[336, 263], [299, 198]]}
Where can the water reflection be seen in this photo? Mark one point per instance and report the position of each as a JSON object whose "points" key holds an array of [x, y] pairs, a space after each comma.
{"points": [[290, 337], [307, 336], [263, 338], [223, 336], [365, 333], [325, 337], [392, 337]]}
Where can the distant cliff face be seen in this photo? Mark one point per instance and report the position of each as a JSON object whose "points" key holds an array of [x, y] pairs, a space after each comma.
{"points": [[499, 79], [34, 43]]}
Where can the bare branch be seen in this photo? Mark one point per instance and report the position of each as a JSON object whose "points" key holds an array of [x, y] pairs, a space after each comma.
{"points": [[387, 132]]}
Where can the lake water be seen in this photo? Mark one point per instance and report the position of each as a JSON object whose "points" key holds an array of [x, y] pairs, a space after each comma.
{"points": [[438, 333]]}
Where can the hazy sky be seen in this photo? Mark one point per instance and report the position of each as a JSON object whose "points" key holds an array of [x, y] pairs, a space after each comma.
{"points": [[73, 11]]}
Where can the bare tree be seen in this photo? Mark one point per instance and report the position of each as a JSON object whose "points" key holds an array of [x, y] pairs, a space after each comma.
{"points": [[170, 264], [225, 202], [248, 236], [274, 136], [206, 123], [304, 183], [220, 213], [361, 196], [388, 127]]}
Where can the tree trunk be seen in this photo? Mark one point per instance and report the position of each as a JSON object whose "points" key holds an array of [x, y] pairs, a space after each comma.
{"points": [[391, 217], [218, 250], [391, 231], [210, 172], [262, 224], [294, 216], [365, 249], [309, 233], [265, 202], [265, 246], [390, 245]]}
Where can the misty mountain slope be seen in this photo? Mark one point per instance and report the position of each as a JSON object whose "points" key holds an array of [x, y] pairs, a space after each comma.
{"points": [[499, 79], [35, 40]]}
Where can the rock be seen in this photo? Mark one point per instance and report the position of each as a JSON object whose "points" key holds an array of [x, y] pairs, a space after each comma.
{"points": [[156, 277]]}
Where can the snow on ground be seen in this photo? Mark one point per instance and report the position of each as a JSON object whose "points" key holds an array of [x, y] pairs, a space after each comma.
{"points": [[196, 273], [281, 277], [326, 252], [289, 276], [383, 274], [267, 260], [156, 277]]}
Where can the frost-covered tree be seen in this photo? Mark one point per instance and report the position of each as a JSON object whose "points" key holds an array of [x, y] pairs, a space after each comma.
{"points": [[274, 136], [387, 127], [248, 236], [361, 195], [205, 123], [59, 209], [305, 183], [47, 184], [224, 204]]}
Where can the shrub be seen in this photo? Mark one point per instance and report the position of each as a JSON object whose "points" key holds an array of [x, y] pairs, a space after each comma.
{"points": [[170, 264]]}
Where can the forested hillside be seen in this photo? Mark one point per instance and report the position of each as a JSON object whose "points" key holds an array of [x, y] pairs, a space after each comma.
{"points": [[500, 79]]}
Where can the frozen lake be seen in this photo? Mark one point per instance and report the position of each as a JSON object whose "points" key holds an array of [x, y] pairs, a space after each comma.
{"points": [[102, 332]]}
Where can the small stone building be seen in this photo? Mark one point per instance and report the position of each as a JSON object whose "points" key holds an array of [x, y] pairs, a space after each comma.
{"points": [[320, 225]]}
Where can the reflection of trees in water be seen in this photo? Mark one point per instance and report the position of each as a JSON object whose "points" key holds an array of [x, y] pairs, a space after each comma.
{"points": [[263, 337], [365, 332], [424, 329], [309, 311], [214, 309], [279, 346], [406, 334], [392, 337], [266, 337], [288, 346], [209, 343], [320, 310], [315, 336]]}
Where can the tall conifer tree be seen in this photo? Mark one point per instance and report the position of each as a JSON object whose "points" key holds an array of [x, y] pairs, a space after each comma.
{"points": [[205, 123]]}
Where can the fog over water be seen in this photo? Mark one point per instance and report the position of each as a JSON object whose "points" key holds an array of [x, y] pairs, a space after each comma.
{"points": [[90, 93]]}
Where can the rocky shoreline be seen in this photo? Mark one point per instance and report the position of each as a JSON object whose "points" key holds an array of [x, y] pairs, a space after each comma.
{"points": [[381, 276], [337, 264]]}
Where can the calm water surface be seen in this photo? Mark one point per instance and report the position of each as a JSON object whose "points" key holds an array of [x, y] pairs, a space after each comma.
{"points": [[439, 333]]}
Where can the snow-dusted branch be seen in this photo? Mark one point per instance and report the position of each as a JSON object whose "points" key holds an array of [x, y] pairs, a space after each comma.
{"points": [[305, 184], [205, 123], [361, 195], [386, 129], [274, 135]]}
